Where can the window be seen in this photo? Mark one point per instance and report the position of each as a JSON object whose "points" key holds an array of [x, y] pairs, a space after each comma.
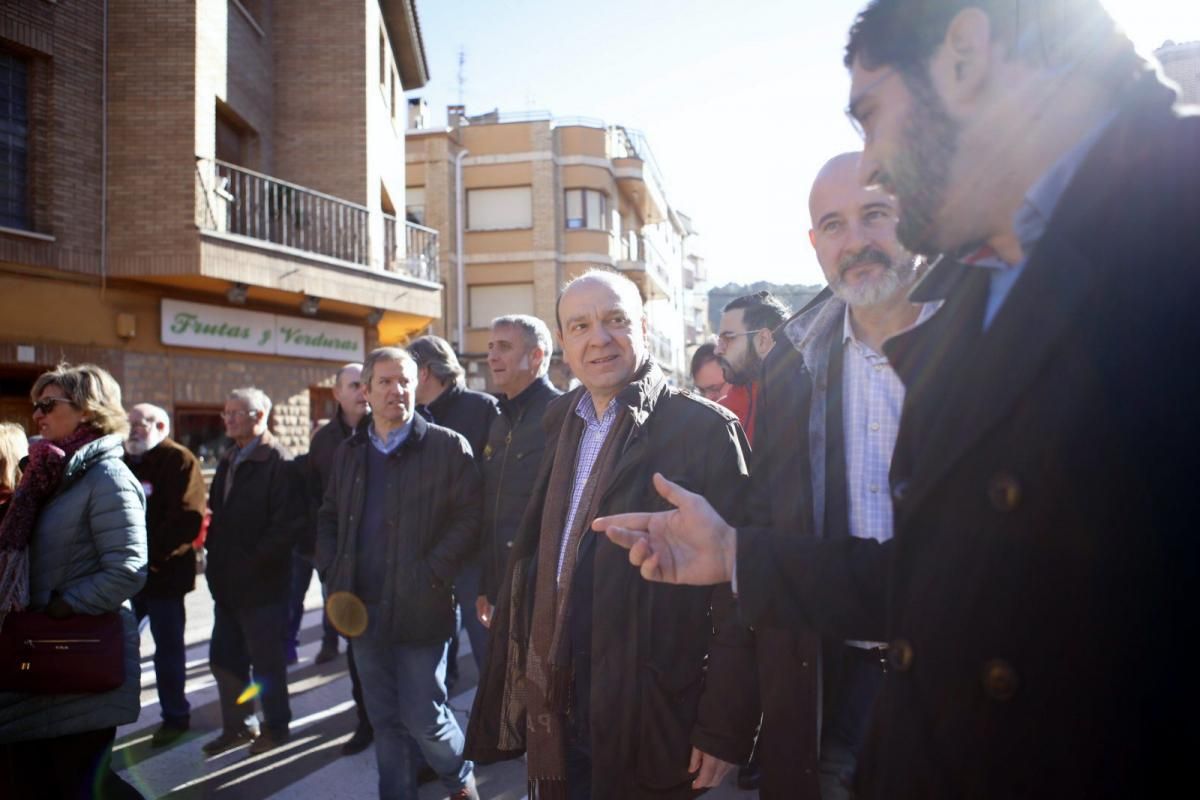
{"points": [[499, 209], [586, 208], [414, 204], [201, 430], [383, 58], [14, 142], [489, 302]]}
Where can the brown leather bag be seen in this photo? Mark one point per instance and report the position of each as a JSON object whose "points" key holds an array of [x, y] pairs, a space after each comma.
{"points": [[80, 654]]}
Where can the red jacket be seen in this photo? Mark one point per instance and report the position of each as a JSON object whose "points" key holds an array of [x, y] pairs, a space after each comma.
{"points": [[743, 401]]}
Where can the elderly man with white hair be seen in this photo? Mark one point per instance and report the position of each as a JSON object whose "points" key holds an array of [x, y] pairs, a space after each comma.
{"points": [[256, 517], [175, 500]]}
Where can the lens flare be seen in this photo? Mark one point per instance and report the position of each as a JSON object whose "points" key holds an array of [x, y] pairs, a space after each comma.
{"points": [[250, 692], [347, 613]]}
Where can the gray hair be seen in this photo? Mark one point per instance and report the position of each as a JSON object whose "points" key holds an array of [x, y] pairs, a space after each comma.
{"points": [[615, 281], [535, 332], [436, 353], [153, 413], [255, 400], [383, 354], [337, 376]]}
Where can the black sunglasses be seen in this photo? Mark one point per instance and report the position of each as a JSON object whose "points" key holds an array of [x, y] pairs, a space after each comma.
{"points": [[46, 404]]}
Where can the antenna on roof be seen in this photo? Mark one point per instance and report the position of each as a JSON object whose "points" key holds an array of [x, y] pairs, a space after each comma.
{"points": [[462, 76]]}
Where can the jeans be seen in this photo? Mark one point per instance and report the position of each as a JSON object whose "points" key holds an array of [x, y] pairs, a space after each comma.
{"points": [[167, 619], [245, 637], [77, 766], [405, 691], [302, 572], [466, 589]]}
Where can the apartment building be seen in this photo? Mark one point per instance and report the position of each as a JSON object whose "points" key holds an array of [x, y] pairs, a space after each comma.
{"points": [[203, 194], [524, 202], [1181, 63]]}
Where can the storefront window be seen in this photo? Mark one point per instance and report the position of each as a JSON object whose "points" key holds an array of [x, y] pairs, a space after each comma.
{"points": [[201, 431]]}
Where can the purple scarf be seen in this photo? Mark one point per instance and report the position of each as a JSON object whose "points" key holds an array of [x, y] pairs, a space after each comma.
{"points": [[39, 482]]}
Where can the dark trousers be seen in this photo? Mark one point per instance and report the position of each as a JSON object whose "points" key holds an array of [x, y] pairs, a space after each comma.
{"points": [[846, 729], [302, 573], [74, 767], [356, 686], [167, 619], [466, 589], [245, 638]]}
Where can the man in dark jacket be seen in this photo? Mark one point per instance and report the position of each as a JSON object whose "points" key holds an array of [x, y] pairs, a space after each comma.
{"points": [[616, 688], [442, 398], [1038, 595], [400, 514], [519, 358], [256, 516], [743, 341], [352, 408], [175, 500]]}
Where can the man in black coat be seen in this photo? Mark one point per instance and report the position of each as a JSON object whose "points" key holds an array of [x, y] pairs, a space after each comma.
{"points": [[175, 502], [1038, 594], [615, 688], [256, 518], [443, 399], [352, 408], [519, 357], [400, 514]]}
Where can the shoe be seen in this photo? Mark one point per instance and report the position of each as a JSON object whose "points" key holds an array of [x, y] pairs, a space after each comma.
{"points": [[327, 653], [468, 792], [267, 741], [229, 740], [293, 657], [168, 733], [748, 777], [361, 740]]}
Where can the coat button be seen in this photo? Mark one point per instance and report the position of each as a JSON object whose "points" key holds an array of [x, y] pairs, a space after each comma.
{"points": [[508, 545], [900, 655], [999, 680], [899, 489], [1004, 492]]}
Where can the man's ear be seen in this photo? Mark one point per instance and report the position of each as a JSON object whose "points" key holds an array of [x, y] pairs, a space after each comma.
{"points": [[764, 340], [962, 65]]}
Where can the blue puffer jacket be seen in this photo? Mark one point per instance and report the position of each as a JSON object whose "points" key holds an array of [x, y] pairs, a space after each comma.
{"points": [[90, 546]]}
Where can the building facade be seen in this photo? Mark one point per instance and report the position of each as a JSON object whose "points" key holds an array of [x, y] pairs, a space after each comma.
{"points": [[536, 201], [1181, 63], [202, 194]]}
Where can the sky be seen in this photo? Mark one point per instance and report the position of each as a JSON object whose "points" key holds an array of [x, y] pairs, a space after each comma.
{"points": [[741, 102]]}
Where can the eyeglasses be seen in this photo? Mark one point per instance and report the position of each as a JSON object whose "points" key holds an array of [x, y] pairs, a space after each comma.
{"points": [[729, 337], [852, 109], [46, 404], [238, 413]]}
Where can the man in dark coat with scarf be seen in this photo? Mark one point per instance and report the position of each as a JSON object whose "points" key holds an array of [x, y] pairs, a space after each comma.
{"points": [[1038, 596], [616, 689], [175, 504]]}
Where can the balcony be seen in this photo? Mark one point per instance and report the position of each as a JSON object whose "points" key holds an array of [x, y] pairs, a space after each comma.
{"points": [[641, 259], [419, 255], [235, 201]]}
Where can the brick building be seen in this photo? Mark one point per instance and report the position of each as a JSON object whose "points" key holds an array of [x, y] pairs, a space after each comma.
{"points": [[1181, 63], [198, 195], [542, 201]]}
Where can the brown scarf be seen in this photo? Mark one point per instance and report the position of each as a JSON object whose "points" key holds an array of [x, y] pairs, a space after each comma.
{"points": [[549, 670]]}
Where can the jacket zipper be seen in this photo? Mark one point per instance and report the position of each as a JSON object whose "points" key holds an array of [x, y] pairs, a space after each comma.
{"points": [[31, 643]]}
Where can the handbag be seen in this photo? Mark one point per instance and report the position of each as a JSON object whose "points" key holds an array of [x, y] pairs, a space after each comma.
{"points": [[80, 654]]}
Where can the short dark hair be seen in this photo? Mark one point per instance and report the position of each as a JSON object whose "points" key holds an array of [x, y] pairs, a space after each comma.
{"points": [[760, 310], [437, 354], [704, 353], [905, 33]]}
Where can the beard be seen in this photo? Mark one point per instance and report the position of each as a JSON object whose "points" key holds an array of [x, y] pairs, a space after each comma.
{"points": [[136, 447], [919, 176], [898, 275], [744, 372]]}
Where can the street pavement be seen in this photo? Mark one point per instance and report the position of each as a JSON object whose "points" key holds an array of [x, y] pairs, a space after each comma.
{"points": [[310, 765]]}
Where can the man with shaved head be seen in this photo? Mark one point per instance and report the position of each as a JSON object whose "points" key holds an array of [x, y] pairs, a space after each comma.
{"points": [[831, 402], [175, 503], [574, 677]]}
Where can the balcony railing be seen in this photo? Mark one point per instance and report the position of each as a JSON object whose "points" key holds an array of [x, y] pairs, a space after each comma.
{"points": [[418, 257], [247, 203]]}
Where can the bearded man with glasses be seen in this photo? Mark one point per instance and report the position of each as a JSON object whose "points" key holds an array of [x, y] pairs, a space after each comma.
{"points": [[747, 335]]}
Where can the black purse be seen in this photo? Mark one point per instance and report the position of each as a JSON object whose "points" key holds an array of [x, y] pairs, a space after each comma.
{"points": [[79, 654]]}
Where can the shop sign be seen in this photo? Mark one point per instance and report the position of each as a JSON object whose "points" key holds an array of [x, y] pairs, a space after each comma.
{"points": [[219, 328]]}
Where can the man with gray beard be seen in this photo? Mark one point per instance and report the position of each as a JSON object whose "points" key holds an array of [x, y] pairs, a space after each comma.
{"points": [[834, 421]]}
